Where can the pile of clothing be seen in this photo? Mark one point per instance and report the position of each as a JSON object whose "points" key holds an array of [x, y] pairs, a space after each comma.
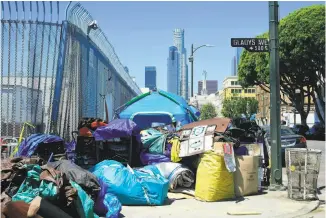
{"points": [[57, 189], [160, 149]]}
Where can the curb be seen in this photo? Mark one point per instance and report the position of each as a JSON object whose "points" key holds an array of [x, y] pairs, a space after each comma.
{"points": [[311, 206]]}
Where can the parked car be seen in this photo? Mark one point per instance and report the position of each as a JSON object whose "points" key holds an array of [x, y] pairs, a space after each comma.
{"points": [[317, 132], [300, 129], [289, 139]]}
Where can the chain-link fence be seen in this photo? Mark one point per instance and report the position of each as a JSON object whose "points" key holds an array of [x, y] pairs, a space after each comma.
{"points": [[28, 66], [52, 73]]}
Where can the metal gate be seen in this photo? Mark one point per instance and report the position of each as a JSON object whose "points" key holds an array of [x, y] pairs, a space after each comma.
{"points": [[53, 73]]}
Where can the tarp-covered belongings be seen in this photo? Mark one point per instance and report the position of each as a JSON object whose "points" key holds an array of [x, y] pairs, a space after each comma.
{"points": [[153, 140], [40, 181], [117, 129], [157, 107], [77, 174], [85, 204], [132, 187], [177, 174], [13, 172], [214, 181], [222, 124], [148, 158], [30, 144], [107, 204]]}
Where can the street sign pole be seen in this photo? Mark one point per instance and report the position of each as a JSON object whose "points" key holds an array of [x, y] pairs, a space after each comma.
{"points": [[275, 116], [192, 70]]}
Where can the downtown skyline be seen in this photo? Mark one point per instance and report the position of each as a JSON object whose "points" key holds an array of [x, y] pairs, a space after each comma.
{"points": [[140, 32]]}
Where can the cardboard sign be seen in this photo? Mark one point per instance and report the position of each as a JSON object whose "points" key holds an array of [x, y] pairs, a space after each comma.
{"points": [[197, 140]]}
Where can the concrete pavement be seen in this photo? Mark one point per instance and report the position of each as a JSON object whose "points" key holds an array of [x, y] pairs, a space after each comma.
{"points": [[320, 211], [270, 204]]}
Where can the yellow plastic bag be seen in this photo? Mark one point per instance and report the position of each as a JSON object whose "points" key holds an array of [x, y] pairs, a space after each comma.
{"points": [[214, 181], [175, 150]]}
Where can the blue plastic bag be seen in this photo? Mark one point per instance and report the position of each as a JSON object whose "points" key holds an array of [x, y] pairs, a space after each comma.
{"points": [[107, 204], [132, 187]]}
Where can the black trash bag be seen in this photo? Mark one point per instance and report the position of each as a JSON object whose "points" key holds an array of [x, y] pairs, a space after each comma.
{"points": [[82, 177]]}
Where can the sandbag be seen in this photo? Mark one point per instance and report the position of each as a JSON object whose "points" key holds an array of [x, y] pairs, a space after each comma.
{"points": [[214, 181], [82, 177], [132, 187]]}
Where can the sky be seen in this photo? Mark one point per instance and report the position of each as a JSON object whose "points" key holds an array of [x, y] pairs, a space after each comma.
{"points": [[142, 32]]}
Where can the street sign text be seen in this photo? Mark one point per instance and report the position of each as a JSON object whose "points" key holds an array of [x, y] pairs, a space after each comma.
{"points": [[251, 44]]}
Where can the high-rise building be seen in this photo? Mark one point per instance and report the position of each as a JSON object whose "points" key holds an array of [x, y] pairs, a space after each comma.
{"points": [[178, 40], [233, 67], [236, 61], [211, 86], [150, 77], [173, 70], [238, 55]]}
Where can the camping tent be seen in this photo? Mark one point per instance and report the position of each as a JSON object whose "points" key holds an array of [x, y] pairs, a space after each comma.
{"points": [[157, 107]]}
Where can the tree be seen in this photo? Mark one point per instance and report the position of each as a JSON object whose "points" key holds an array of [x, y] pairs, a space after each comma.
{"points": [[235, 107], [208, 111], [302, 54]]}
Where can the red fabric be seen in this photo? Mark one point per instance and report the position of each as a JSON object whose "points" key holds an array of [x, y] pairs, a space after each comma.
{"points": [[84, 131]]}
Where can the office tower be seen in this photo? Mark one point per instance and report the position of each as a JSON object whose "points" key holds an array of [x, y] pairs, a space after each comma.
{"points": [[236, 61], [233, 66], [150, 77], [178, 40], [238, 55], [173, 70], [211, 86]]}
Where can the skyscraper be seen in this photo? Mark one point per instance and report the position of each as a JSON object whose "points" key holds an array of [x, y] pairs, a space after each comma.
{"points": [[236, 61], [211, 86], [233, 66], [150, 77], [178, 40], [238, 54], [173, 70]]}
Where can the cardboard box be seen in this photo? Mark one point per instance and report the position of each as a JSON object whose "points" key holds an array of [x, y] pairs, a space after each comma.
{"points": [[246, 175]]}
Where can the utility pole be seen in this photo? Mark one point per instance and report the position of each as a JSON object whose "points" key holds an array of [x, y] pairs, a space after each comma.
{"points": [[275, 126]]}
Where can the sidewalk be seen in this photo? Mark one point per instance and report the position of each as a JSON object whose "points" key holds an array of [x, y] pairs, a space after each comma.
{"points": [[270, 204]]}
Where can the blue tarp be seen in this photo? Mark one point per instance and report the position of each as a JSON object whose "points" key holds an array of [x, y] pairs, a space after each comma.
{"points": [[30, 144], [116, 129], [158, 107]]}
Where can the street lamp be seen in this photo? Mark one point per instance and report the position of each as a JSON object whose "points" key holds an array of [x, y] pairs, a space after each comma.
{"points": [[191, 59]]}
